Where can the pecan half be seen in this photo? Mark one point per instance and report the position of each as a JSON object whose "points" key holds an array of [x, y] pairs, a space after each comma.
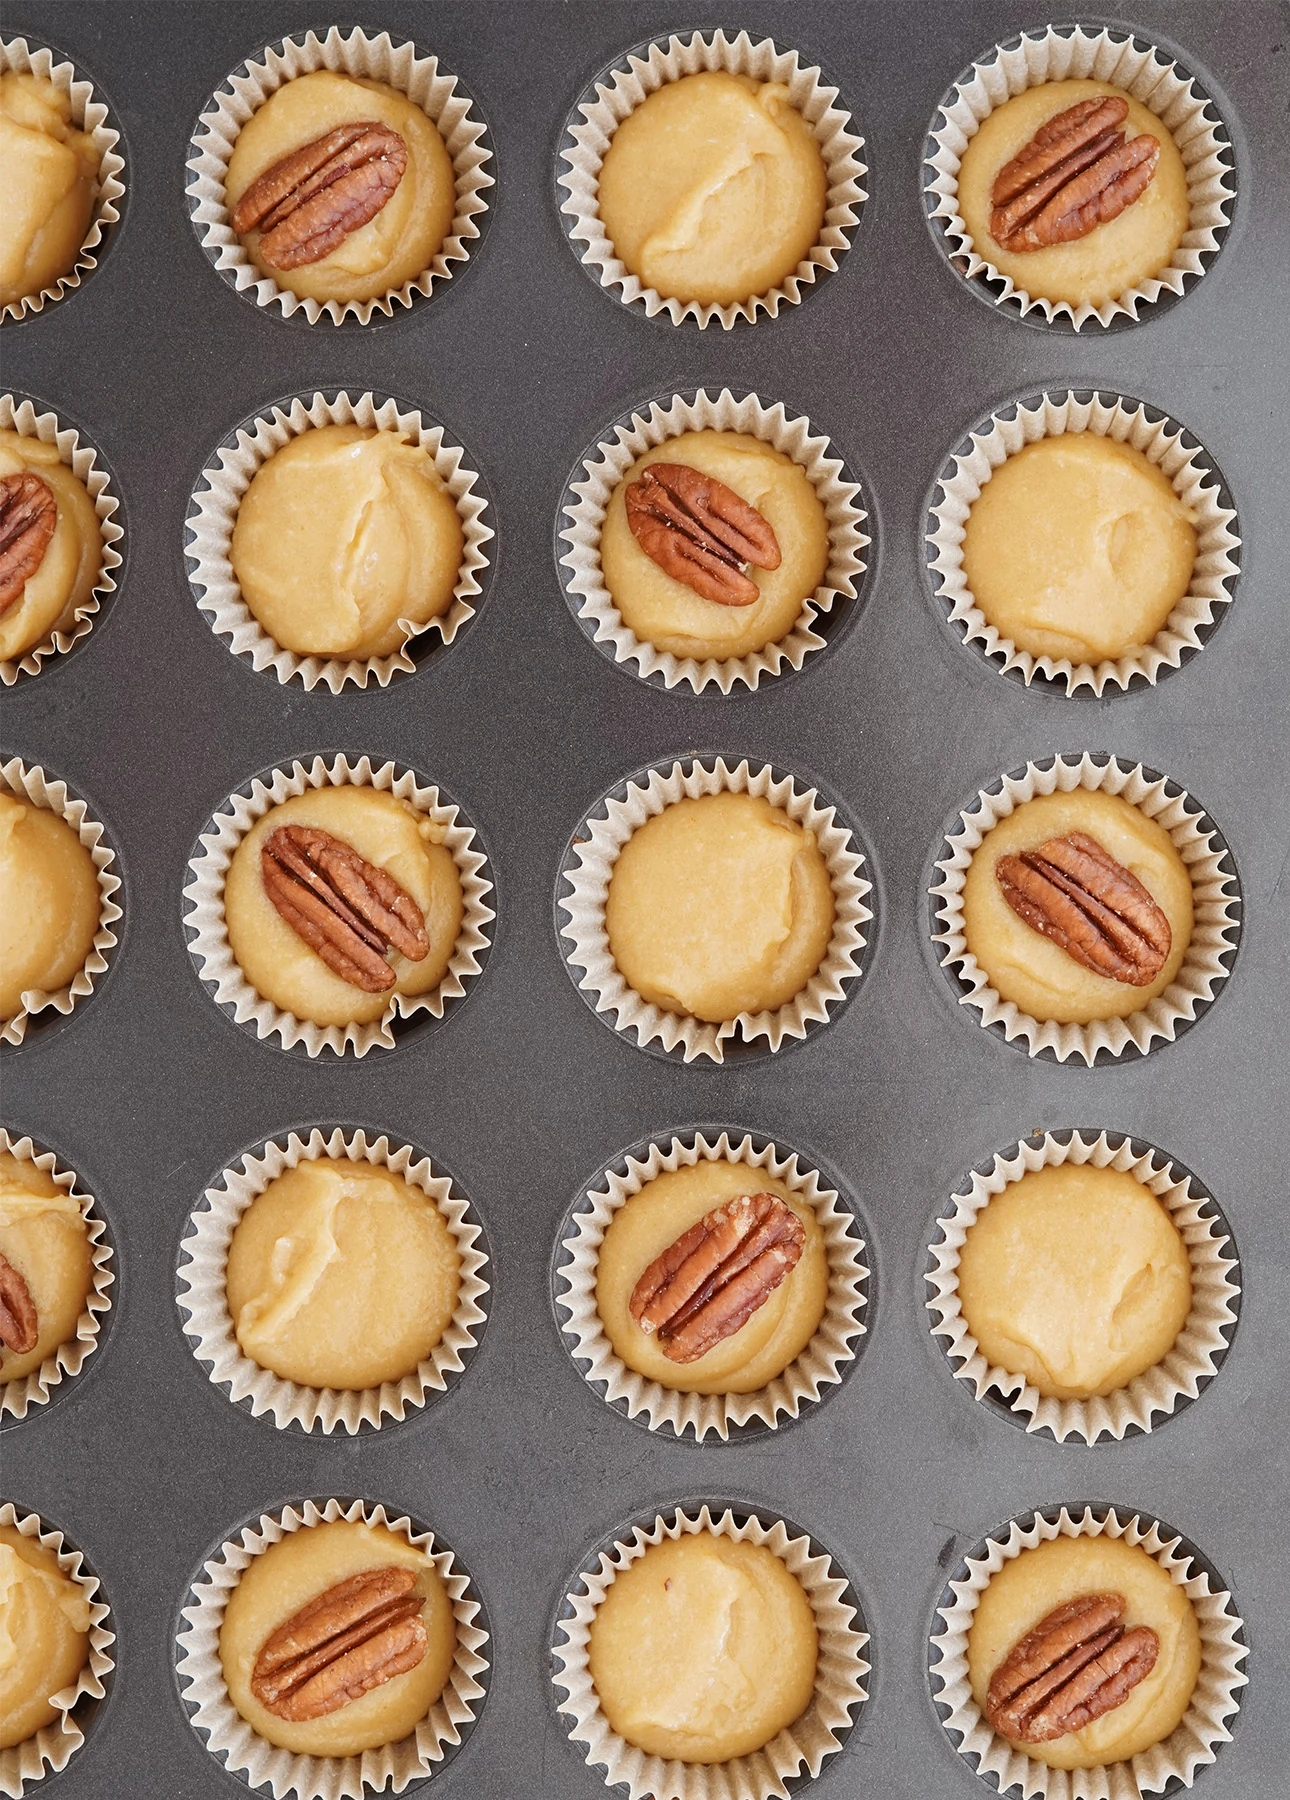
{"points": [[19, 1326], [352, 913], [1076, 173], [1078, 1663], [312, 199], [700, 532], [1073, 891], [715, 1276], [354, 1637], [28, 515]]}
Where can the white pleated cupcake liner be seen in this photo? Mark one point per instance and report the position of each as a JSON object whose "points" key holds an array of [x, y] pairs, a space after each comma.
{"points": [[605, 466], [207, 927], [807, 1743], [41, 789], [212, 515], [630, 81], [805, 1380], [202, 1289], [82, 459], [362, 56], [1082, 52], [1159, 1392], [594, 851], [1215, 899], [53, 1747], [20, 1398], [1160, 439], [1190, 1747], [242, 1750], [90, 115]]}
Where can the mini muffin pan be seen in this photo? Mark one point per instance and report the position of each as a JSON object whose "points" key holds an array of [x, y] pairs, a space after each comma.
{"points": [[149, 1089]]}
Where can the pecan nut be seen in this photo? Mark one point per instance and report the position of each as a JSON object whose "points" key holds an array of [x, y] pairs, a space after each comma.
{"points": [[711, 1281], [1073, 891], [354, 1637], [19, 1326], [1076, 1664], [1076, 173], [310, 201], [28, 515], [700, 532], [352, 913]]}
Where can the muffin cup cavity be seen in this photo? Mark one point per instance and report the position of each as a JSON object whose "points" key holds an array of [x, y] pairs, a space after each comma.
{"points": [[212, 515], [18, 1399], [82, 459], [52, 1748], [802, 1383], [202, 1294], [622, 87], [806, 1744], [1068, 53], [583, 889], [1165, 444], [1215, 899], [1159, 1392], [89, 114], [363, 56], [592, 487], [38, 788], [1166, 1766], [242, 1750], [207, 928]]}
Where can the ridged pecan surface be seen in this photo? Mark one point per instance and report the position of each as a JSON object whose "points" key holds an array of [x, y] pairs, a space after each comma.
{"points": [[1077, 1663], [1073, 891], [28, 515], [352, 913], [1076, 173], [354, 1637], [700, 532], [19, 1326], [312, 199]]}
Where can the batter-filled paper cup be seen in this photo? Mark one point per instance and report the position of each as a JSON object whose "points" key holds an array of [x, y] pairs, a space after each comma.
{"points": [[243, 1751], [363, 57], [40, 789], [1190, 1746], [212, 515], [1158, 1392], [805, 1744], [207, 928], [623, 87], [589, 866], [19, 1398], [88, 114], [593, 487], [1215, 901], [202, 1290], [1161, 441], [53, 1747], [82, 459], [805, 1380], [1071, 53]]}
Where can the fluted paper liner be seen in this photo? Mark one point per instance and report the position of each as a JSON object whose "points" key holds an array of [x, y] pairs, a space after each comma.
{"points": [[808, 1741], [1140, 69], [38, 788], [1189, 1747], [88, 114], [1215, 901], [623, 88], [818, 1366], [1159, 1391], [52, 1748], [203, 1296], [208, 928], [67, 1359], [598, 843], [605, 467], [242, 1750], [363, 56], [212, 514], [81, 458], [1161, 442]]}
